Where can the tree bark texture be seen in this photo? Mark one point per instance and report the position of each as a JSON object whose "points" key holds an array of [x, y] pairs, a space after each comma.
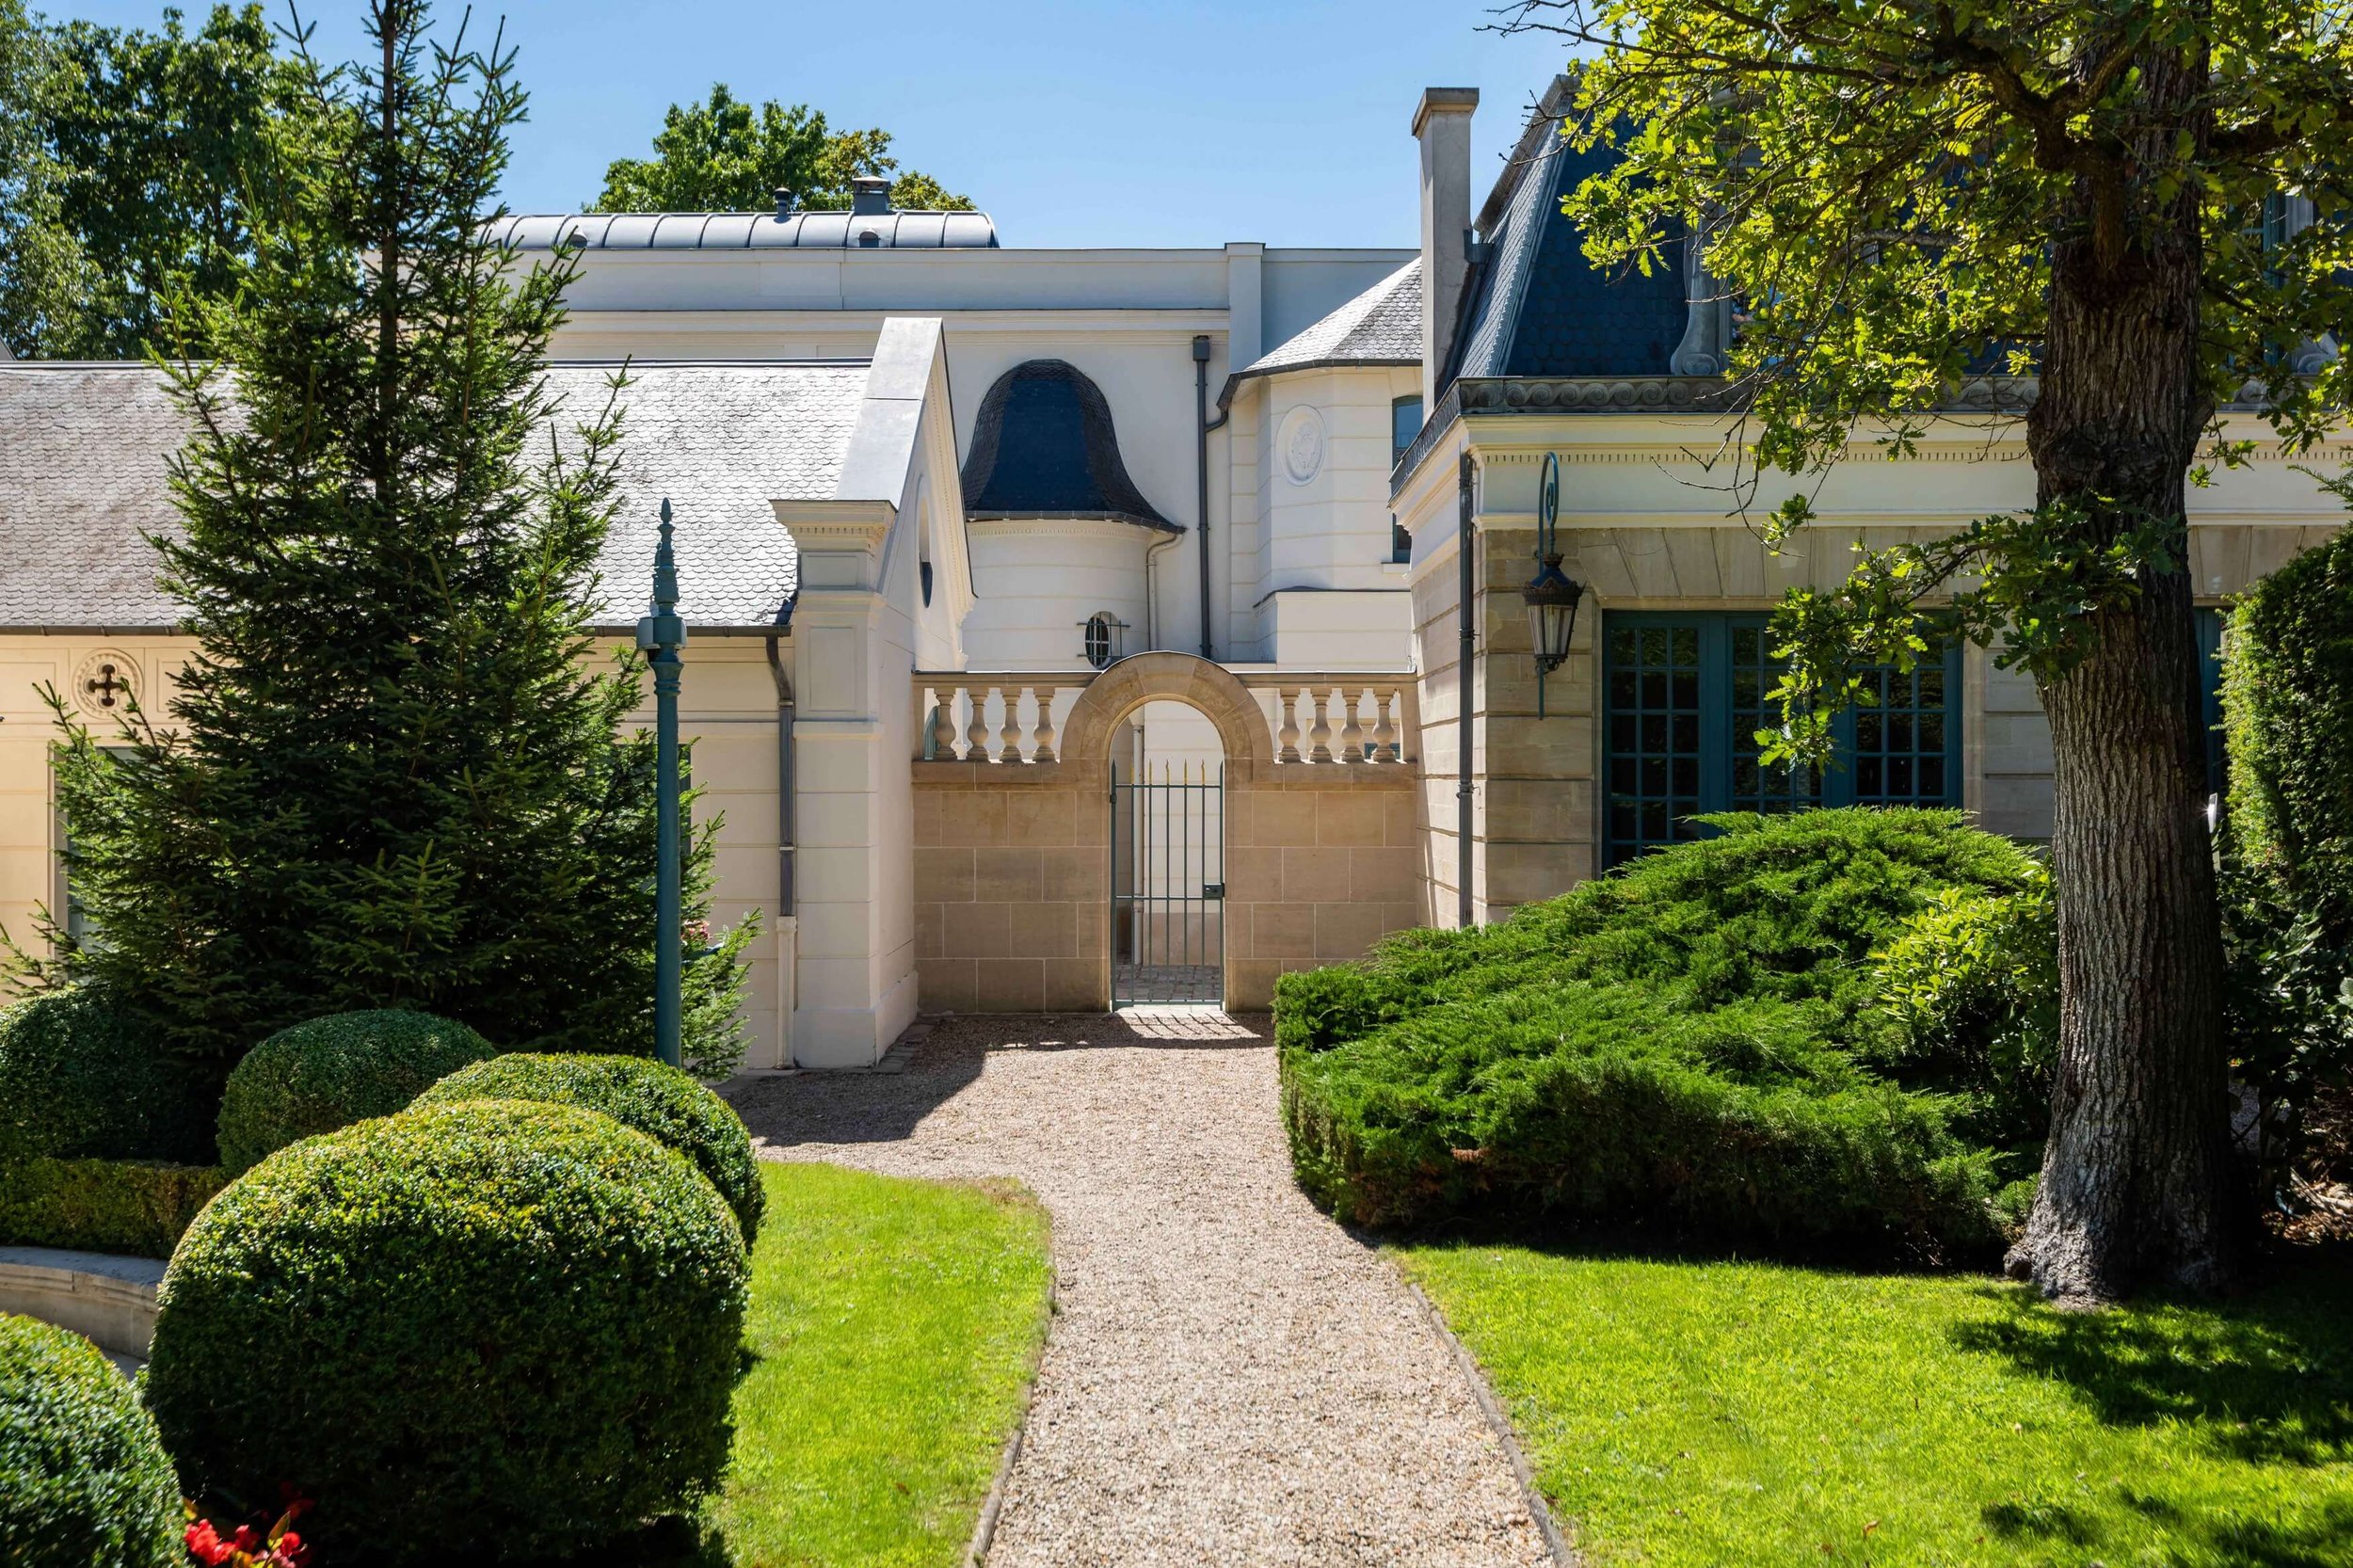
{"points": [[2137, 1173]]}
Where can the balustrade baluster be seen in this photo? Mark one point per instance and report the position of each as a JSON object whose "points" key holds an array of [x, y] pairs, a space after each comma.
{"points": [[944, 723], [1384, 732], [976, 728], [1319, 736], [1009, 733], [1351, 737], [1286, 727], [1044, 752]]}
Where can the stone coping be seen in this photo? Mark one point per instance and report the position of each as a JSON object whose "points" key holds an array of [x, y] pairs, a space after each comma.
{"points": [[106, 1298]]}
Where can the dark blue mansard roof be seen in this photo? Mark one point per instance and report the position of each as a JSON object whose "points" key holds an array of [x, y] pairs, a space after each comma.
{"points": [[1535, 306]]}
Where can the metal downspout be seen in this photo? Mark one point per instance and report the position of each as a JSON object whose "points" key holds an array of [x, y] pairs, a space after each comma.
{"points": [[786, 709], [1466, 695], [1203, 424]]}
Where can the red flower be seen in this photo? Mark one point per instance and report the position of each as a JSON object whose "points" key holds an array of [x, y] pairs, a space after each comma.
{"points": [[205, 1544]]}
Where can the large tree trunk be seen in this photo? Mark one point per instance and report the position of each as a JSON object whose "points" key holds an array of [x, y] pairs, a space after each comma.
{"points": [[2137, 1173]]}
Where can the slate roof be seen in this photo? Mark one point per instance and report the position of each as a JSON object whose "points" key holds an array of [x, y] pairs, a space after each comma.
{"points": [[82, 482], [1043, 446], [1380, 327], [804, 230], [1535, 306]]}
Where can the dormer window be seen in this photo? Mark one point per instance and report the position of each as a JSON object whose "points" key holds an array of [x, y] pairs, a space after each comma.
{"points": [[1104, 642]]}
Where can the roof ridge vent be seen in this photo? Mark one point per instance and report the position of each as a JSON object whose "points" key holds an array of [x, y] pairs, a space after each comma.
{"points": [[869, 196]]}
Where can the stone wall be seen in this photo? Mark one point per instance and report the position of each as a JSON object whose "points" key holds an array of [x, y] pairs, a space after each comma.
{"points": [[1013, 858]]}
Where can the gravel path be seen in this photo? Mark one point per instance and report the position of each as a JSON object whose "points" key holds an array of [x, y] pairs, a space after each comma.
{"points": [[1231, 1379]]}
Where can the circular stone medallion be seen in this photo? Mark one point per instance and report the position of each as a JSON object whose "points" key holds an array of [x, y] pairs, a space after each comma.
{"points": [[105, 683], [1301, 442]]}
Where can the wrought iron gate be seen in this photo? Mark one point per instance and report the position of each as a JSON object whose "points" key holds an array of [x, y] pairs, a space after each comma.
{"points": [[1168, 886]]}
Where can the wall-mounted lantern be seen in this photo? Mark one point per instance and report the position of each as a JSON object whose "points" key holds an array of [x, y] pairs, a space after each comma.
{"points": [[1552, 595]]}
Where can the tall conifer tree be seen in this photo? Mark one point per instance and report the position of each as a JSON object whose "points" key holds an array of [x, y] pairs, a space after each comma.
{"points": [[390, 775]]}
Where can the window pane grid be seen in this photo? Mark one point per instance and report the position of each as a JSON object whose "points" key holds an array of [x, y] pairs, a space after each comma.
{"points": [[1657, 732], [1758, 785], [1898, 755], [1685, 696]]}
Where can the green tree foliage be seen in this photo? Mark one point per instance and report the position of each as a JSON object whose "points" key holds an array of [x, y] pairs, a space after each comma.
{"points": [[147, 142], [389, 776], [720, 154], [2143, 205], [43, 276]]}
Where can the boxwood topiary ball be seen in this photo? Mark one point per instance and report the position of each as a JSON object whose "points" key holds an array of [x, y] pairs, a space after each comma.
{"points": [[660, 1101], [493, 1329], [333, 1071], [84, 1482], [80, 1078]]}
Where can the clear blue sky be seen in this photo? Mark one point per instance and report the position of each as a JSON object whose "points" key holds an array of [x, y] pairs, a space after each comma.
{"points": [[1111, 122]]}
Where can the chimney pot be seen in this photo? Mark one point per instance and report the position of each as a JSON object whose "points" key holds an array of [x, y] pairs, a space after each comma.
{"points": [[869, 196]]}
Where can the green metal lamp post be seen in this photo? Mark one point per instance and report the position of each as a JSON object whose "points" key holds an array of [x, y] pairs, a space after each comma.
{"points": [[661, 635]]}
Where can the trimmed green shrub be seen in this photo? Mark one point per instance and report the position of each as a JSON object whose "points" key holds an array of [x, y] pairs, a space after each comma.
{"points": [[333, 1071], [81, 1079], [2287, 697], [663, 1102], [84, 1482], [1970, 990], [488, 1329], [2287, 843], [103, 1205], [1697, 1042]]}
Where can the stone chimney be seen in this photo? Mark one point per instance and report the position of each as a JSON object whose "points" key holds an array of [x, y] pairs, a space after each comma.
{"points": [[1442, 123]]}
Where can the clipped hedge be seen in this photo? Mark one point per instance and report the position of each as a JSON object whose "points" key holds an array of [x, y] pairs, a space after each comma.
{"points": [[331, 1072], [80, 1078], [665, 1103], [103, 1205], [2287, 842], [84, 1482], [2287, 697], [489, 1329], [1696, 1042]]}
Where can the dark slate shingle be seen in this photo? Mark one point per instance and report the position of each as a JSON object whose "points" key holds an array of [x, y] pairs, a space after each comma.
{"points": [[1380, 327]]}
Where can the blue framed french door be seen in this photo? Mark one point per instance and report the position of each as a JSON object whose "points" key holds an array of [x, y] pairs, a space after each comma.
{"points": [[1683, 696]]}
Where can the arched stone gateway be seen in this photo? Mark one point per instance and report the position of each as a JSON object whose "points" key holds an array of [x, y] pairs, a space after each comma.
{"points": [[1012, 854]]}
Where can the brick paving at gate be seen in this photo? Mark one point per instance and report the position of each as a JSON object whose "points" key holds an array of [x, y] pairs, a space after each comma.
{"points": [[1231, 1377]]}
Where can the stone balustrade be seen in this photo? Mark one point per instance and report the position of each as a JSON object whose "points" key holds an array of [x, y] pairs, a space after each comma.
{"points": [[1014, 716], [1336, 718]]}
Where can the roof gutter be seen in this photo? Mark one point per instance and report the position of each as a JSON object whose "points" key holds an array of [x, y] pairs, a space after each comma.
{"points": [[1255, 372]]}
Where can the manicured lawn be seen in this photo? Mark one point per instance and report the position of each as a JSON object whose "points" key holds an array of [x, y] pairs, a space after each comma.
{"points": [[895, 1325], [1718, 1413]]}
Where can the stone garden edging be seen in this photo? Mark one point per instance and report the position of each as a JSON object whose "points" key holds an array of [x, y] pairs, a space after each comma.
{"points": [[107, 1298], [1563, 1555], [984, 1526]]}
